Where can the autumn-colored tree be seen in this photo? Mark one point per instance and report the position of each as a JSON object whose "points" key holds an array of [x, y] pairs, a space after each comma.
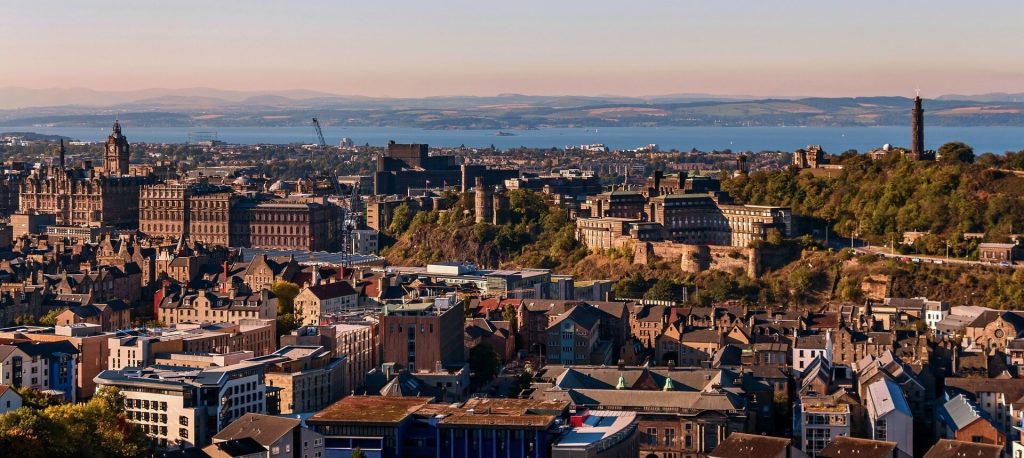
{"points": [[50, 318], [96, 428]]}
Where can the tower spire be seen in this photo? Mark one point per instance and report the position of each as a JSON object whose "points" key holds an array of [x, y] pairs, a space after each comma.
{"points": [[62, 154]]}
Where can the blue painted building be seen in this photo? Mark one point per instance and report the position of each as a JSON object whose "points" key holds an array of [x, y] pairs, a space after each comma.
{"points": [[44, 366]]}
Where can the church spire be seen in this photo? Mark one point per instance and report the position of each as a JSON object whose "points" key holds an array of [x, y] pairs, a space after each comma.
{"points": [[62, 154]]}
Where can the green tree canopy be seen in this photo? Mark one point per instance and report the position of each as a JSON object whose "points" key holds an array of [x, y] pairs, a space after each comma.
{"points": [[956, 152], [50, 318], [285, 292], [401, 218], [665, 290], [484, 363]]}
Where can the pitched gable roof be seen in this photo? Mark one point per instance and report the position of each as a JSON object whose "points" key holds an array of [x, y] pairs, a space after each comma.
{"points": [[325, 291], [264, 429]]}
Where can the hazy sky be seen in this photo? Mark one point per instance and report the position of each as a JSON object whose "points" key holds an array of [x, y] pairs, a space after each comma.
{"points": [[442, 47]]}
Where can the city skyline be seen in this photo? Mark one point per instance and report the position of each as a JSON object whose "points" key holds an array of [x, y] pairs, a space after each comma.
{"points": [[409, 49]]}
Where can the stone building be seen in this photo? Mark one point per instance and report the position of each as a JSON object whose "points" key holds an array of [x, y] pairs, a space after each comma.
{"points": [[199, 211], [712, 219], [811, 157], [308, 377], [10, 190], [215, 215], [210, 307], [87, 196], [287, 225], [617, 204], [322, 299]]}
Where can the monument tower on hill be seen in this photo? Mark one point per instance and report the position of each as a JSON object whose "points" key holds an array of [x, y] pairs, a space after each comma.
{"points": [[917, 129]]}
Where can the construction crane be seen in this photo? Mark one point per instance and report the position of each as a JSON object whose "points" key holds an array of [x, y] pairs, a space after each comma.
{"points": [[319, 133]]}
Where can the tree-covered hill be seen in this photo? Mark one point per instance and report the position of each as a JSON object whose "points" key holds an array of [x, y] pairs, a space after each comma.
{"points": [[879, 200]]}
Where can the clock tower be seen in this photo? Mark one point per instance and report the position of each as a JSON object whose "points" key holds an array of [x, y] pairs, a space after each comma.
{"points": [[117, 152]]}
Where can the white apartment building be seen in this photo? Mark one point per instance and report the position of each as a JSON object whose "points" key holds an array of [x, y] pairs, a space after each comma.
{"points": [[809, 347], [181, 407], [889, 416]]}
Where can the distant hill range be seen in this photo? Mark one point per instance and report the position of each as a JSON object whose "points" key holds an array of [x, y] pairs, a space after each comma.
{"points": [[204, 107]]}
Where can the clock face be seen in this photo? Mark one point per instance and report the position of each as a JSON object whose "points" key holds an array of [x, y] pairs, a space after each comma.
{"points": [[999, 333]]}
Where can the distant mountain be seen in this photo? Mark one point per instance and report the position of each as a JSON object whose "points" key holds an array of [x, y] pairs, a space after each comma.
{"points": [[200, 97], [990, 97], [204, 107]]}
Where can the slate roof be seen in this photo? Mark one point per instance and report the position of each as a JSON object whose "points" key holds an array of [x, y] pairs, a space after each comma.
{"points": [[686, 401], [583, 316], [947, 448], [240, 447], [885, 397], [702, 336], [813, 342], [740, 445], [264, 429], [1013, 389], [845, 446], [959, 412], [332, 290], [683, 379]]}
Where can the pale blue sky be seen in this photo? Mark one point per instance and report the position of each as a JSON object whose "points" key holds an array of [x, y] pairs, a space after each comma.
{"points": [[440, 47]]}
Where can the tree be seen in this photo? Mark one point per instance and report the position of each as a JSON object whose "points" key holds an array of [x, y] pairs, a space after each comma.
{"points": [[401, 218], [633, 287], [25, 319], [509, 314], [286, 324], [664, 290], [285, 292], [92, 429], [50, 318], [33, 398], [358, 453], [956, 152], [800, 280], [483, 363]]}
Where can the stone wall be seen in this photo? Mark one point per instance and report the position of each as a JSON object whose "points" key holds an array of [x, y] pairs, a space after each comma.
{"points": [[698, 258]]}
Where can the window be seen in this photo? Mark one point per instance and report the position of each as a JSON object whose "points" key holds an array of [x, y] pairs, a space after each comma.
{"points": [[880, 432], [183, 420]]}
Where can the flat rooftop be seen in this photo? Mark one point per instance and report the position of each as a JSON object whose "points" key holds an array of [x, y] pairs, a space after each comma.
{"points": [[369, 409], [600, 425]]}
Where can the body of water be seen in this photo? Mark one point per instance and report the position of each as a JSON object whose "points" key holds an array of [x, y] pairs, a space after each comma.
{"points": [[833, 139]]}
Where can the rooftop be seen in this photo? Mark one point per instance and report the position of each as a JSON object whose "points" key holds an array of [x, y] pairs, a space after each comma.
{"points": [[264, 429], [947, 448], [599, 426], [369, 409], [844, 446], [740, 445]]}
